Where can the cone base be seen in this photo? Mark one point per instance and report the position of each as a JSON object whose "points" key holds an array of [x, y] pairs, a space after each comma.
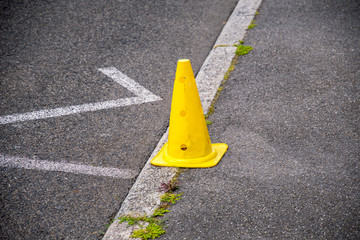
{"points": [[211, 160]]}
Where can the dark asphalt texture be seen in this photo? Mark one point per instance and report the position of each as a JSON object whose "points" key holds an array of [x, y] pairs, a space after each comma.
{"points": [[50, 53], [290, 115]]}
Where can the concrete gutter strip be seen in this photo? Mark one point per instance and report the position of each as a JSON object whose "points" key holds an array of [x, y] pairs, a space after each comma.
{"points": [[236, 27], [144, 197], [212, 73]]}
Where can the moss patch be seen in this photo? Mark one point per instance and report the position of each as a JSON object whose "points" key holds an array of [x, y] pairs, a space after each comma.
{"points": [[151, 231], [252, 25], [243, 50], [170, 197]]}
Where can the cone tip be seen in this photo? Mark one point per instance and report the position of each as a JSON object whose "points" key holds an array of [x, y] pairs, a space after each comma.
{"points": [[183, 60], [184, 68]]}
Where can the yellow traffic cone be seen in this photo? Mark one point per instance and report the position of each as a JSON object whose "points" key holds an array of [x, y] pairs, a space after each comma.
{"points": [[189, 142]]}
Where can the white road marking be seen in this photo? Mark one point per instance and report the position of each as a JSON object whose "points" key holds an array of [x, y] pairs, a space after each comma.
{"points": [[15, 162], [142, 96], [130, 84]]}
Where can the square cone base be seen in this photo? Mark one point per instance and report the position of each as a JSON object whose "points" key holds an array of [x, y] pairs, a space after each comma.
{"points": [[211, 160]]}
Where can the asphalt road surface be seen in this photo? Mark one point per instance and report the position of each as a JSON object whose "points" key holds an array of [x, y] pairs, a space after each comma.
{"points": [[73, 139]]}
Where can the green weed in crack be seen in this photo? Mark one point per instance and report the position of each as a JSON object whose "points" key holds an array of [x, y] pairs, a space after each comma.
{"points": [[153, 226]]}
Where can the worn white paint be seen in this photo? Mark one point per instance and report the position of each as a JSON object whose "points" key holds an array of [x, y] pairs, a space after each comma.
{"points": [[44, 165], [129, 84], [142, 95]]}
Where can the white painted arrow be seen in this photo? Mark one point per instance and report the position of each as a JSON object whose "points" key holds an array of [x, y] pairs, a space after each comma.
{"points": [[142, 96]]}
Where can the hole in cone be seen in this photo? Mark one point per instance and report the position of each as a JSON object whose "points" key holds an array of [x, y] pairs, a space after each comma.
{"points": [[183, 147], [183, 113]]}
